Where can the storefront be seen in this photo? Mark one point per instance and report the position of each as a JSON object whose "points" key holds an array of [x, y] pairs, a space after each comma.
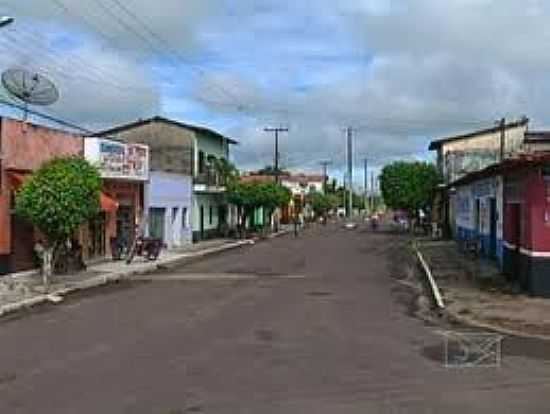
{"points": [[125, 170]]}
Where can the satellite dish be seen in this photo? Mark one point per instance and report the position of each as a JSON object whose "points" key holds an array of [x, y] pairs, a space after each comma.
{"points": [[31, 88]]}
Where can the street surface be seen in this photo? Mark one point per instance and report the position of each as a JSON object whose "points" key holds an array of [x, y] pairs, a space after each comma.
{"points": [[317, 324]]}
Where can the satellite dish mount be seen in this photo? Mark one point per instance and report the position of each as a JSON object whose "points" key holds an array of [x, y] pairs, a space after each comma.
{"points": [[30, 88]]}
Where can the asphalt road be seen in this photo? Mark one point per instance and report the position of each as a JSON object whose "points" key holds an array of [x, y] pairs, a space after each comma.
{"points": [[318, 324]]}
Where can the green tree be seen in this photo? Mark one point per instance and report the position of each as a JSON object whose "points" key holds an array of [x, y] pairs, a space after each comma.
{"points": [[270, 170], [57, 199], [409, 185], [248, 196], [322, 203]]}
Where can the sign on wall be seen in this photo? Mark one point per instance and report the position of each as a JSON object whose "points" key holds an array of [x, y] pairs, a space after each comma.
{"points": [[117, 159]]}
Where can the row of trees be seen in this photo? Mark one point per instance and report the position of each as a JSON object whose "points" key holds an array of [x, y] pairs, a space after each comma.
{"points": [[249, 196]]}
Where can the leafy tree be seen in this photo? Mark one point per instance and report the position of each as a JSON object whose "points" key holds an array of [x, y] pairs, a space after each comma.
{"points": [[322, 203], [57, 199], [248, 196], [409, 185], [270, 170]]}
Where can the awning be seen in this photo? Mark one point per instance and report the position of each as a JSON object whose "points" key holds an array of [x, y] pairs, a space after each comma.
{"points": [[107, 203]]}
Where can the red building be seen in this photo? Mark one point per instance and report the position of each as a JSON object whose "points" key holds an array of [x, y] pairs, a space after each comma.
{"points": [[527, 222], [23, 148], [525, 217]]}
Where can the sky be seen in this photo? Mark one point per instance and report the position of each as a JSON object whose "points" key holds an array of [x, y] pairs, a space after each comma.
{"points": [[399, 72]]}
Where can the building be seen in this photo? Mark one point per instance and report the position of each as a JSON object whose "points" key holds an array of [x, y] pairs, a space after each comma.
{"points": [[462, 154], [24, 147], [300, 185], [185, 197], [124, 168], [507, 207]]}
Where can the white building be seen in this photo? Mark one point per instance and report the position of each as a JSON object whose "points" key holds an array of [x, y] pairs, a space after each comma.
{"points": [[168, 197]]}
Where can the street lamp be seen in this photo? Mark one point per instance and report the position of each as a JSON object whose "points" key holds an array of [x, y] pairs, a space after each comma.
{"points": [[6, 20]]}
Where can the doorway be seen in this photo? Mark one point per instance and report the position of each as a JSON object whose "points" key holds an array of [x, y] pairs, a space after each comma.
{"points": [[493, 228], [201, 222], [514, 239], [156, 222]]}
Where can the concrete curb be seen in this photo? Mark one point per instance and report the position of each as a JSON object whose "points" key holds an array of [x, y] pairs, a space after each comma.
{"points": [[116, 276], [455, 317], [435, 291]]}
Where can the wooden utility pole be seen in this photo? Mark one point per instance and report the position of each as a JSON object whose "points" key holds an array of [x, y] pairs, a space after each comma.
{"points": [[276, 130], [325, 165], [502, 138], [350, 171], [366, 184]]}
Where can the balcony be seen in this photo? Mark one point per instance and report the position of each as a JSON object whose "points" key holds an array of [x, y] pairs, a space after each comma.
{"points": [[208, 181]]}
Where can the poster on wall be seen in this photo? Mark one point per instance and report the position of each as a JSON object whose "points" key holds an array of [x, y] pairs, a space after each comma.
{"points": [[119, 160]]}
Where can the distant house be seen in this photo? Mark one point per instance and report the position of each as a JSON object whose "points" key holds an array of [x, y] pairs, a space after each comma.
{"points": [[300, 185], [185, 196]]}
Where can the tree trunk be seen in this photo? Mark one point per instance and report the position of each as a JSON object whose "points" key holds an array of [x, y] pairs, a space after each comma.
{"points": [[47, 265]]}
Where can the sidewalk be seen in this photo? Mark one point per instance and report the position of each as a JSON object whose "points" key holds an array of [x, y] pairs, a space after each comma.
{"points": [[476, 294], [23, 290]]}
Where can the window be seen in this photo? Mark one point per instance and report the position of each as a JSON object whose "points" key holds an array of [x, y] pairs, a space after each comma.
{"points": [[174, 214], [202, 166], [184, 217], [210, 211]]}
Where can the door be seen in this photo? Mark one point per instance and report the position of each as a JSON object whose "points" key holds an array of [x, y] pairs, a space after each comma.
{"points": [[96, 228], [125, 225], [201, 222], [22, 242], [514, 239], [156, 222], [493, 228]]}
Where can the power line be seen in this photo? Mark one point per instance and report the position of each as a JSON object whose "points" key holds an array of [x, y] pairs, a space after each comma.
{"points": [[47, 117]]}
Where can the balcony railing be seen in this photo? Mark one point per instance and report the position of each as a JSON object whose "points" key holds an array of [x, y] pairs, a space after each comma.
{"points": [[210, 178]]}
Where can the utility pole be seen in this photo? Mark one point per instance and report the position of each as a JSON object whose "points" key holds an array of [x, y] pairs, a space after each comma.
{"points": [[372, 190], [366, 184], [325, 164], [350, 171], [502, 138], [276, 130]]}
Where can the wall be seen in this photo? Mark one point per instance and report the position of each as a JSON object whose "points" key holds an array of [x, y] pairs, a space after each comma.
{"points": [[171, 147], [206, 200], [169, 191], [464, 208], [475, 153]]}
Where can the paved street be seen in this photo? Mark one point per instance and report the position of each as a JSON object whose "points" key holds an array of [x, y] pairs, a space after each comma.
{"points": [[317, 324]]}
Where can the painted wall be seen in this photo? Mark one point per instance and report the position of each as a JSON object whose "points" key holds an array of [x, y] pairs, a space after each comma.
{"points": [[467, 223], [25, 147], [206, 200], [457, 158], [171, 147], [172, 192]]}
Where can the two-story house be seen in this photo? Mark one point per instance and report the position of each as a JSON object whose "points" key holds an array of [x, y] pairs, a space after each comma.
{"points": [[185, 196]]}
